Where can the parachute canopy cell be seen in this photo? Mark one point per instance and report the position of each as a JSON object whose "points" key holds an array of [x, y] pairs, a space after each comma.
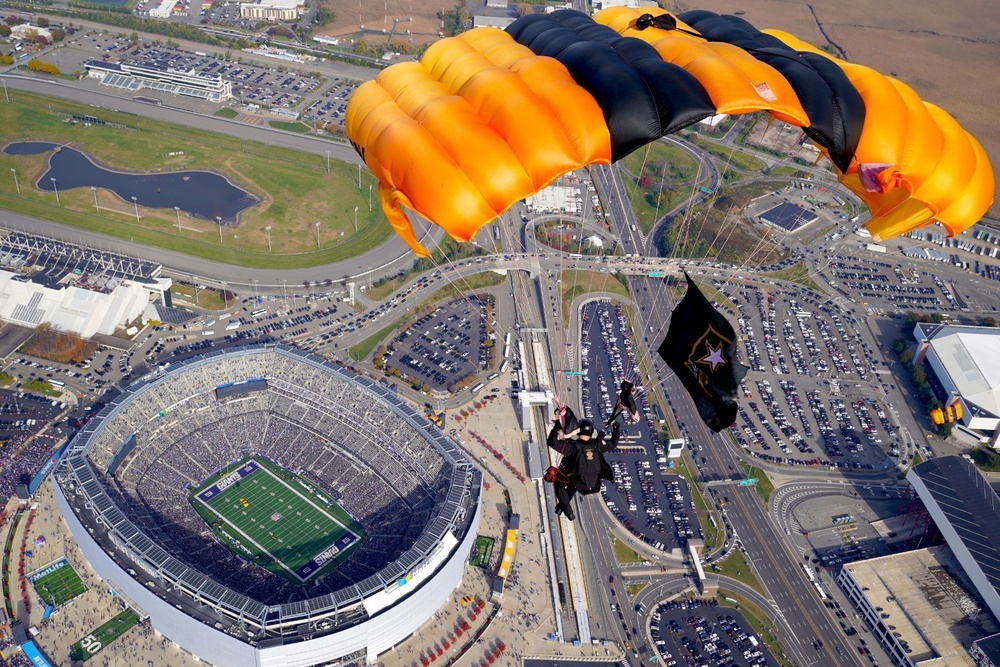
{"points": [[489, 117]]}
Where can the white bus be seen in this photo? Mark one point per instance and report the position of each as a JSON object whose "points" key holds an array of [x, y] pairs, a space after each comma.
{"points": [[475, 390], [259, 313], [57, 383]]}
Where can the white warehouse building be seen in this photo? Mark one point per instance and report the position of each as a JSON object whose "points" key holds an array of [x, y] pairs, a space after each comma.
{"points": [[964, 360]]}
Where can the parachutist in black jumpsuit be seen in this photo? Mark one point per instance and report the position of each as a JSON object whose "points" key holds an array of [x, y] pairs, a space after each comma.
{"points": [[583, 465]]}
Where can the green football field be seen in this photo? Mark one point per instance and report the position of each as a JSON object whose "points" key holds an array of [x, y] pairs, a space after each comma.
{"points": [[57, 583], [89, 646], [267, 515]]}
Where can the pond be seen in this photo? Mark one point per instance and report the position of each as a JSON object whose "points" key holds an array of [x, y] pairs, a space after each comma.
{"points": [[200, 194]]}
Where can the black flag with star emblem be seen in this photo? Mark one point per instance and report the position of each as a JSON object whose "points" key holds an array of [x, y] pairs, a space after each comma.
{"points": [[700, 347]]}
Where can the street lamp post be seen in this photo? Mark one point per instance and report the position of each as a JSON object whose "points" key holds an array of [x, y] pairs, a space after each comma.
{"points": [[5, 90], [218, 221], [98, 206], [359, 176], [56, 188], [268, 231], [317, 235], [135, 203], [328, 162], [355, 219], [177, 210], [16, 185], [369, 196]]}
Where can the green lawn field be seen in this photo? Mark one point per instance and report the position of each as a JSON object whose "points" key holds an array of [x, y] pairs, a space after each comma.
{"points": [[271, 518], [295, 187], [58, 583], [91, 645], [482, 551]]}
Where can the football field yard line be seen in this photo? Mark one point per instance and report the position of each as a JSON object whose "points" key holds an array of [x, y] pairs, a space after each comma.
{"points": [[251, 540], [322, 510]]}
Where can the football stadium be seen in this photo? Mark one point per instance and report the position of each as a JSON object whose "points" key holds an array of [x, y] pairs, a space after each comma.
{"points": [[265, 506]]}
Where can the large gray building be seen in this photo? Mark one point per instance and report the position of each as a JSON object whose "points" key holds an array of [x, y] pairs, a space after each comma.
{"points": [[967, 512]]}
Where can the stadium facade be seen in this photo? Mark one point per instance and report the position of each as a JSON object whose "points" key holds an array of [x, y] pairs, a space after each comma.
{"points": [[359, 429], [964, 360]]}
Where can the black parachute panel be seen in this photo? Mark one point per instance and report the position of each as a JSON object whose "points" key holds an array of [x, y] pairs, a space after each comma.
{"points": [[836, 109], [643, 97]]}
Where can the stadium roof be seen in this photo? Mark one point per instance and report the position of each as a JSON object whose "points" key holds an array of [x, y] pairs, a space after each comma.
{"points": [[971, 507], [788, 216], [969, 357]]}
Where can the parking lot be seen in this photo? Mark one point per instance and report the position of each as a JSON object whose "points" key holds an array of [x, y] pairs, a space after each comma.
{"points": [[445, 346], [698, 633], [651, 502], [813, 395]]}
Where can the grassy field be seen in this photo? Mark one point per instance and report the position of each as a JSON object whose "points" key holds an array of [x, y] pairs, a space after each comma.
{"points": [[764, 485], [59, 586], [482, 551], [623, 552], [634, 589], [796, 274], [295, 188], [735, 566], [365, 347], [269, 517], [669, 170], [203, 298], [91, 645], [728, 156], [576, 283]]}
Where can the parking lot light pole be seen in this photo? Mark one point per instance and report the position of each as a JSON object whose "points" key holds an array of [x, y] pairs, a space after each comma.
{"points": [[369, 196], [218, 222], [268, 231], [16, 185], [54, 187], [177, 210], [355, 219], [317, 234], [96, 205], [136, 203], [328, 162]]}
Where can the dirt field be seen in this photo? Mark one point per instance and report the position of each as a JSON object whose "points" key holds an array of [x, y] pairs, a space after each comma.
{"points": [[378, 17], [949, 53]]}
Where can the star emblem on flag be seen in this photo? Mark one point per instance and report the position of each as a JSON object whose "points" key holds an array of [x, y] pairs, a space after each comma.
{"points": [[714, 357]]}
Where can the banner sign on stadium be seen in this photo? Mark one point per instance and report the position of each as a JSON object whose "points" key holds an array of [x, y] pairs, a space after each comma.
{"points": [[48, 569], [227, 481], [339, 545]]}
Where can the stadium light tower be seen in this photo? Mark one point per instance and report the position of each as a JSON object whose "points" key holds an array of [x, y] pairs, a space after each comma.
{"points": [[16, 185], [54, 187], [267, 230], [135, 203]]}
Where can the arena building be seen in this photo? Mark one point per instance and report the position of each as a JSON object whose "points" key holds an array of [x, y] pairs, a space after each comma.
{"points": [[134, 77], [964, 361], [124, 491], [74, 288]]}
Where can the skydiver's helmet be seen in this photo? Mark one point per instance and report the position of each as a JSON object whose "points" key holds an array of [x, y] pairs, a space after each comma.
{"points": [[587, 428]]}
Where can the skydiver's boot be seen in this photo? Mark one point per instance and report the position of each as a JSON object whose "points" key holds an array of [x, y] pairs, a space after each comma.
{"points": [[564, 502]]}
